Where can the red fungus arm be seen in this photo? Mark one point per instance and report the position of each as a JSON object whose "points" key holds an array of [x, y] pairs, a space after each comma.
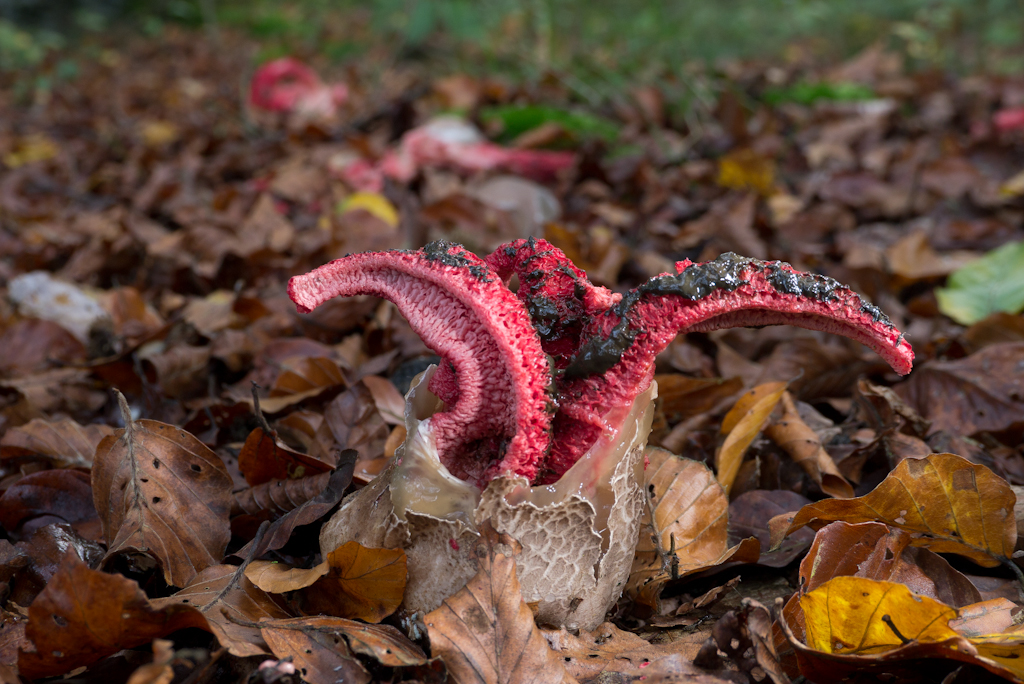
{"points": [[616, 359], [499, 418], [559, 297]]}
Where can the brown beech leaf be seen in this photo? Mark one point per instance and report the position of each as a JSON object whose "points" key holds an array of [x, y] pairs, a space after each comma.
{"points": [[878, 552], [277, 497], [857, 626], [384, 643], [278, 578], [683, 397], [280, 531], [741, 426], [49, 496], [264, 458], [232, 605], [356, 423], [64, 442], [608, 649], [982, 392], [322, 647], [802, 444], [749, 514], [321, 657], [388, 399], [485, 633], [685, 526], [985, 617], [161, 491], [360, 583], [83, 615], [954, 505]]}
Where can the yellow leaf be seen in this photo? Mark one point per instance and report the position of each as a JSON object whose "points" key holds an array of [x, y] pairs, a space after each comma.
{"points": [[31, 148], [1013, 187], [747, 170], [953, 505], [373, 203], [158, 133], [742, 424], [859, 616]]}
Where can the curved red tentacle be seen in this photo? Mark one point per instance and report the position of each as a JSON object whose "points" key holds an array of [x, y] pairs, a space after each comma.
{"points": [[499, 418], [616, 359]]}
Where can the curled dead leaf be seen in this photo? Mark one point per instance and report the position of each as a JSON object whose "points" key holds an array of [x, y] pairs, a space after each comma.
{"points": [[741, 426], [955, 505], [802, 444]]}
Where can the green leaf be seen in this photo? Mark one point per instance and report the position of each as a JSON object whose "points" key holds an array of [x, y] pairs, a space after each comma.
{"points": [[808, 93], [995, 282], [516, 120]]}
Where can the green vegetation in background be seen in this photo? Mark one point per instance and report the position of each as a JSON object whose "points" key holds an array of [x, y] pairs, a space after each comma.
{"points": [[809, 93], [599, 47], [993, 283], [518, 119]]}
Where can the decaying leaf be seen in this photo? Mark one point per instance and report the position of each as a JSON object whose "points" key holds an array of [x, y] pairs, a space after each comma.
{"points": [[160, 491], [485, 633], [802, 444], [685, 526], [322, 658], [749, 514], [231, 605], [956, 507], [83, 615], [742, 425]]}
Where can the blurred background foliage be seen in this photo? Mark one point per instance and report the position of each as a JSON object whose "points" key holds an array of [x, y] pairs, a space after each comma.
{"points": [[597, 46]]}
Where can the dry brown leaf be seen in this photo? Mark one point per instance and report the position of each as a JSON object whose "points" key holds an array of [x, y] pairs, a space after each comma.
{"points": [[384, 643], [485, 633], [359, 583], [274, 577], [683, 397], [64, 442], [278, 496], [985, 617], [685, 526], [956, 507], [802, 444], [160, 491], [232, 605], [83, 615], [749, 514], [322, 658], [741, 426], [388, 399], [608, 649], [982, 392]]}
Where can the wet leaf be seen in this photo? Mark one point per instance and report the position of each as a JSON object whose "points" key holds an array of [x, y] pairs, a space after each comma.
{"points": [[160, 491], [956, 507], [993, 283], [685, 526], [84, 615], [231, 605], [485, 633], [742, 425], [359, 583]]}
